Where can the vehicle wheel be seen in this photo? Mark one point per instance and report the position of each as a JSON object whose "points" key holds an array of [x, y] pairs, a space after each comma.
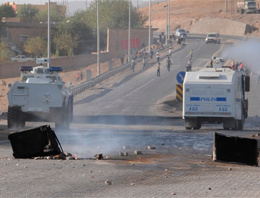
{"points": [[240, 124], [198, 126], [64, 122], [14, 118]]}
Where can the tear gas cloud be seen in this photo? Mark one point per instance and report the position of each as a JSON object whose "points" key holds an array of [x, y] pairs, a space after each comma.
{"points": [[246, 52], [85, 144]]}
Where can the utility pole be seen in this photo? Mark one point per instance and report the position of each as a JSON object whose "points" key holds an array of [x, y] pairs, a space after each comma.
{"points": [[166, 22], [49, 36], [129, 32], [232, 8], [226, 5], [168, 32], [98, 43], [149, 41]]}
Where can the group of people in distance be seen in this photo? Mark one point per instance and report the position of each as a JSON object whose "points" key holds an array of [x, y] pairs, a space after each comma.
{"points": [[168, 62]]}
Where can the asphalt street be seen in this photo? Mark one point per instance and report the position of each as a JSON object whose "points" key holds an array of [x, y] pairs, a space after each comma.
{"points": [[119, 116]]}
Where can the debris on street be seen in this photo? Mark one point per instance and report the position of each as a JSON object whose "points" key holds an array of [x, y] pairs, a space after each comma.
{"points": [[99, 156], [126, 147], [107, 182], [150, 147], [137, 152]]}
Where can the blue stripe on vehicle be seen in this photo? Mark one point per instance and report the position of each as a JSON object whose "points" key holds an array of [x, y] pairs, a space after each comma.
{"points": [[194, 98]]}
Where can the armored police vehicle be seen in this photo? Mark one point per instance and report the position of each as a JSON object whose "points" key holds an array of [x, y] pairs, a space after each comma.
{"points": [[39, 95]]}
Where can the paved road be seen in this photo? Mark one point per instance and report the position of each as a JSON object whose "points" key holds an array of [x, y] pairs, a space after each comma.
{"points": [[180, 166]]}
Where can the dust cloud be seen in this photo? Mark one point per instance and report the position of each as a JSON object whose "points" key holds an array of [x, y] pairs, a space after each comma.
{"points": [[246, 52]]}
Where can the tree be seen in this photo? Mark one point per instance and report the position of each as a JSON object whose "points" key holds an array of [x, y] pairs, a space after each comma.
{"points": [[114, 14], [56, 14], [35, 46], [65, 43], [5, 53], [7, 11], [27, 11], [79, 29]]}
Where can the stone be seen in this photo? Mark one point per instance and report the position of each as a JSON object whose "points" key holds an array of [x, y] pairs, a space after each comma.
{"points": [[150, 147], [137, 152], [107, 182], [126, 147], [99, 156]]}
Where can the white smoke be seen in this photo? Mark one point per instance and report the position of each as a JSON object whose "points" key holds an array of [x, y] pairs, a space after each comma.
{"points": [[87, 144], [247, 52]]}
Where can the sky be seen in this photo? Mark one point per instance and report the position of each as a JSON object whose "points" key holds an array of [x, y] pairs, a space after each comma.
{"points": [[73, 5], [38, 1]]}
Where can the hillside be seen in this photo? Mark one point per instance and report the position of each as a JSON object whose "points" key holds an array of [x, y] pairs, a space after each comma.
{"points": [[186, 13]]}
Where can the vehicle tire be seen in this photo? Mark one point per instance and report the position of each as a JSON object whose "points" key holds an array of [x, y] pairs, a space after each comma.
{"points": [[192, 123], [12, 117], [63, 122], [198, 126], [240, 124], [15, 118]]}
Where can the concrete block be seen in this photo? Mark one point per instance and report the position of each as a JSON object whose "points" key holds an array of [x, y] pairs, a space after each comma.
{"points": [[235, 149]]}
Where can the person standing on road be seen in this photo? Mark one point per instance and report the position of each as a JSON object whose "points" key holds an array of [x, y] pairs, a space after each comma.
{"points": [[168, 63], [158, 69], [158, 57], [144, 62], [170, 51], [151, 54], [191, 53], [188, 68], [133, 65]]}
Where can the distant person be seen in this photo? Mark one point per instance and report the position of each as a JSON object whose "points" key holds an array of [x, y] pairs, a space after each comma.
{"points": [[170, 51], [81, 75], [211, 63], [144, 62], [133, 65], [191, 53], [158, 57], [237, 66], [188, 67], [241, 66], [158, 69], [168, 63], [151, 54]]}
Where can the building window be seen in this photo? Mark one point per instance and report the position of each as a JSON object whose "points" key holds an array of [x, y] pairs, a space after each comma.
{"points": [[23, 38]]}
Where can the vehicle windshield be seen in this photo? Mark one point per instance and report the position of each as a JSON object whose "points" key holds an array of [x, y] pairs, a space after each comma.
{"points": [[212, 35], [181, 31], [251, 3]]}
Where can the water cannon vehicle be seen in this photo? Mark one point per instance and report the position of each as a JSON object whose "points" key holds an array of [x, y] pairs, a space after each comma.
{"points": [[215, 95]]}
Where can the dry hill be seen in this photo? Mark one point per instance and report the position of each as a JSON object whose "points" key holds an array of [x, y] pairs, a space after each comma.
{"points": [[187, 13]]}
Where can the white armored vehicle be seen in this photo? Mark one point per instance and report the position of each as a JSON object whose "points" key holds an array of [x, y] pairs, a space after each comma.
{"points": [[215, 95], [39, 95]]}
